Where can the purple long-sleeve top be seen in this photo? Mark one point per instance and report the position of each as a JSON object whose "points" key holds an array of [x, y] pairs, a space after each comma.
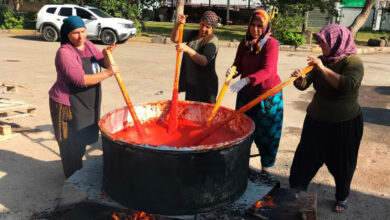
{"points": [[261, 68], [70, 70]]}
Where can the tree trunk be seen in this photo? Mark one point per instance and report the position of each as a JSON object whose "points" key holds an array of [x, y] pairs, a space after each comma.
{"points": [[179, 8], [361, 18]]}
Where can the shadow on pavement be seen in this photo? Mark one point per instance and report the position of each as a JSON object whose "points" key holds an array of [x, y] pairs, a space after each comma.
{"points": [[28, 37]]}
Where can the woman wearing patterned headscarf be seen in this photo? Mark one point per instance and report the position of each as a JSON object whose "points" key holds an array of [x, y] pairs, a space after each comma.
{"points": [[333, 126], [256, 62], [75, 97], [198, 78]]}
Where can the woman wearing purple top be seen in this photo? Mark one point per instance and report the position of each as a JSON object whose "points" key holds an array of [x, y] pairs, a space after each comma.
{"points": [[75, 97], [333, 126]]}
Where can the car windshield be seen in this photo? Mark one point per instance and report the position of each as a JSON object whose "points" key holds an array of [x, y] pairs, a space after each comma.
{"points": [[100, 13]]}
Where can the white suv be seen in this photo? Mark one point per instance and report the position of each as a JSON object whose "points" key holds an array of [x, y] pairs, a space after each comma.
{"points": [[100, 25]]}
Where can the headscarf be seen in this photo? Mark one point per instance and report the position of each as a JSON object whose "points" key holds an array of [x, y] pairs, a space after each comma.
{"points": [[256, 44], [71, 23], [211, 18], [339, 39]]}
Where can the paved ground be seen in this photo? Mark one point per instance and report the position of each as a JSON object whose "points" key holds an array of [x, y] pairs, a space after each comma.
{"points": [[31, 176]]}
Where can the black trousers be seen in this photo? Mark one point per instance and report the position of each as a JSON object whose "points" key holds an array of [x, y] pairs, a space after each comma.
{"points": [[199, 94], [334, 144], [71, 153]]}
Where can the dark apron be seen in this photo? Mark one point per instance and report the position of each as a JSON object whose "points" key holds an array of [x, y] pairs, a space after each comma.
{"points": [[85, 105]]}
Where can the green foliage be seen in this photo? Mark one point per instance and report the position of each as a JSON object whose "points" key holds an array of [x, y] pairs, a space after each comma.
{"points": [[10, 19], [287, 22], [291, 38]]}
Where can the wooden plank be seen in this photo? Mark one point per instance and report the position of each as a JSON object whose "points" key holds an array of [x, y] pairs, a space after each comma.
{"points": [[5, 130], [14, 109]]}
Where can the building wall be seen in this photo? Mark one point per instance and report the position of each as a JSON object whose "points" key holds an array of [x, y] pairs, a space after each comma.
{"points": [[385, 21], [348, 15]]}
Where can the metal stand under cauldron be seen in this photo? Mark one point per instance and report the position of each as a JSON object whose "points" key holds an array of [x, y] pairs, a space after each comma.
{"points": [[175, 181]]}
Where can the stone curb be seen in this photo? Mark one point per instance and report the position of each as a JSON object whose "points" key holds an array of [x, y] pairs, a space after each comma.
{"points": [[166, 40]]}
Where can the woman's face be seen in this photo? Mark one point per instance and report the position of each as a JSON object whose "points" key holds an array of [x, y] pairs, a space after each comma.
{"points": [[77, 36], [256, 28], [325, 48], [205, 29]]}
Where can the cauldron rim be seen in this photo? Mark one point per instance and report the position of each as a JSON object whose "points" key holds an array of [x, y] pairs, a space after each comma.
{"points": [[171, 149]]}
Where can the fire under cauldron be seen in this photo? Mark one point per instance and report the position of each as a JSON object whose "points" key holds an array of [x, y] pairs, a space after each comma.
{"points": [[175, 181]]}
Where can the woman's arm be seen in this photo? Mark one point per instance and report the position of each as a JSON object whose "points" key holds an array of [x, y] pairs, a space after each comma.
{"points": [[195, 56], [92, 79], [332, 77]]}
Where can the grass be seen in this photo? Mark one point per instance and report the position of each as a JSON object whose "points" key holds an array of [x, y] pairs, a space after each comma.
{"points": [[228, 33], [237, 32]]}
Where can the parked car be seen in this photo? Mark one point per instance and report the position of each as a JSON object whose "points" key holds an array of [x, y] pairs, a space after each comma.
{"points": [[100, 25]]}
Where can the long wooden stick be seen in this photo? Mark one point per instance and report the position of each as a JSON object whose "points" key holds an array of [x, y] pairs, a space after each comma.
{"points": [[221, 94], [133, 114], [173, 117], [210, 130]]}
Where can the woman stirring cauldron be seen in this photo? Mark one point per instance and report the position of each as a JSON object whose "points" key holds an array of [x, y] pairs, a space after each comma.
{"points": [[333, 126], [256, 61], [75, 97], [198, 78]]}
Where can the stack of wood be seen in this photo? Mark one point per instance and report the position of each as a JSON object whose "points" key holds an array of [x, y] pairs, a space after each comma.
{"points": [[382, 42]]}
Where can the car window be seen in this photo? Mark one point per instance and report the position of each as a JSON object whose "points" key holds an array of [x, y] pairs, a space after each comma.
{"points": [[65, 12], [83, 13], [51, 10], [100, 13]]}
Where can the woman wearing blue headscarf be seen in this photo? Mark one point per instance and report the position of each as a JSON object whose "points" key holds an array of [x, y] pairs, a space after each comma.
{"points": [[75, 97]]}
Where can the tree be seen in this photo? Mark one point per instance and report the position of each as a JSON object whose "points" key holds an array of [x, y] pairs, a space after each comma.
{"points": [[361, 18], [292, 7]]}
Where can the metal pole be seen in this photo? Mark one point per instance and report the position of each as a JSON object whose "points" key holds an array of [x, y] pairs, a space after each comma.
{"points": [[249, 4]]}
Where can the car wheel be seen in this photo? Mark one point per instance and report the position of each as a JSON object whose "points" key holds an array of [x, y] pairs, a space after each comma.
{"points": [[49, 33], [108, 37]]}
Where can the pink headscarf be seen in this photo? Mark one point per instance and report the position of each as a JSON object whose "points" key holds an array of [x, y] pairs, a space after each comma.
{"points": [[339, 39]]}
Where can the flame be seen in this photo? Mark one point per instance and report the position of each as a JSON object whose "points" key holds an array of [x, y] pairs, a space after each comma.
{"points": [[114, 216], [133, 216], [267, 201]]}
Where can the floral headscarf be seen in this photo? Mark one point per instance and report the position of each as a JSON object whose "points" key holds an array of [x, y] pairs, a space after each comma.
{"points": [[256, 44], [211, 18], [339, 39]]}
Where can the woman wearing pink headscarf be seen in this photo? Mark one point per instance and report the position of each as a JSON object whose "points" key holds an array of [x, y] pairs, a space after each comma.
{"points": [[256, 61], [333, 126]]}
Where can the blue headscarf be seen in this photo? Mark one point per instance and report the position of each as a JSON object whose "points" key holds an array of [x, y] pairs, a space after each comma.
{"points": [[70, 23]]}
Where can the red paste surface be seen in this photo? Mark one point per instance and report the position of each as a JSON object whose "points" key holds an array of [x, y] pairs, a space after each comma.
{"points": [[157, 134]]}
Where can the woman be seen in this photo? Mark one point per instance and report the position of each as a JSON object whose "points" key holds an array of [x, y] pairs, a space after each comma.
{"points": [[333, 126], [75, 97], [198, 78], [256, 62]]}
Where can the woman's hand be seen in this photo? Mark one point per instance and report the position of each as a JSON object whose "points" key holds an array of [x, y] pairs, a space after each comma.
{"points": [[316, 62], [181, 19], [183, 48], [110, 48], [229, 71], [299, 80], [112, 69], [237, 86]]}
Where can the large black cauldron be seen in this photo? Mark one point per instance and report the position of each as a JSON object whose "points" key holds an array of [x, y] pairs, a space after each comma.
{"points": [[169, 181]]}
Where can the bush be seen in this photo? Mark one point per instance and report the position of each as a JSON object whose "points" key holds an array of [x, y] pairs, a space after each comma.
{"points": [[291, 38], [11, 21]]}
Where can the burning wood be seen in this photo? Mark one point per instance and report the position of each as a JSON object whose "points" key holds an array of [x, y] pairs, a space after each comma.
{"points": [[132, 216], [285, 204]]}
